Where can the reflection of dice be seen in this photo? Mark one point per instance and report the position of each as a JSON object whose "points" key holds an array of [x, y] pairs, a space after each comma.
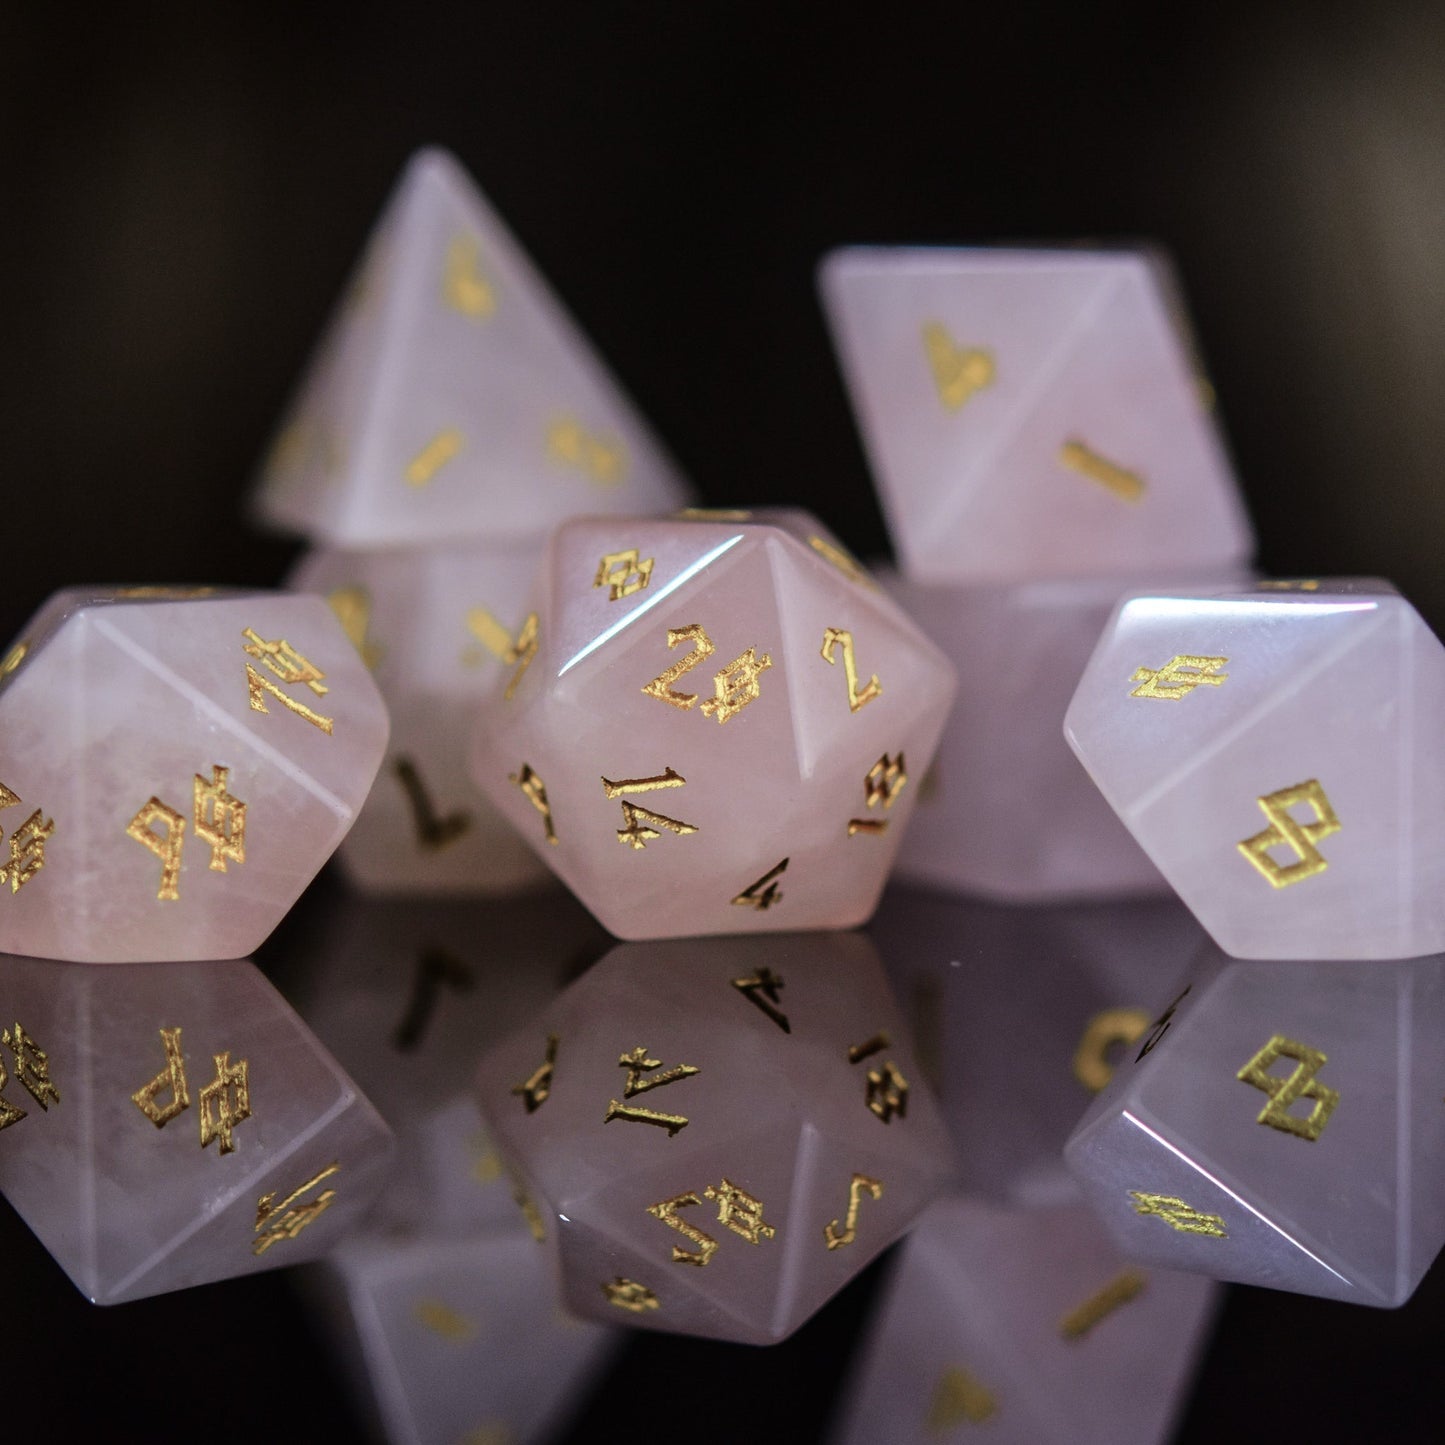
{"points": [[1031, 413], [433, 626], [718, 1136], [452, 396], [1281, 1126], [175, 766], [1273, 752], [1071, 986], [189, 1127], [1025, 1326], [730, 699]]}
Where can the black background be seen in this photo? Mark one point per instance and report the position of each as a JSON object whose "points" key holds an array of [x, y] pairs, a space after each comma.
{"points": [[185, 189]]}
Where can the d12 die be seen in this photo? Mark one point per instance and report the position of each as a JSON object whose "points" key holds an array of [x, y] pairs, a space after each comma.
{"points": [[1273, 752], [1031, 413], [434, 625], [452, 396], [166, 1125], [1026, 1326], [719, 1136], [714, 725], [175, 766], [406, 995], [1281, 1126], [457, 1340], [1070, 987]]}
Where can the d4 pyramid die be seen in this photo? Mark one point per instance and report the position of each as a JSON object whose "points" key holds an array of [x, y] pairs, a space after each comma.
{"points": [[1280, 1125], [715, 723], [452, 396], [1031, 414], [175, 766], [1274, 752], [167, 1125], [718, 1135]]}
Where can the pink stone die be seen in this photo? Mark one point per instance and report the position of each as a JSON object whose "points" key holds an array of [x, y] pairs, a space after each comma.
{"points": [[175, 766], [711, 724]]}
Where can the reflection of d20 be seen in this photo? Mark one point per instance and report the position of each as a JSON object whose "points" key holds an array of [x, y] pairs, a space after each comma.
{"points": [[248, 1149], [730, 1131]]}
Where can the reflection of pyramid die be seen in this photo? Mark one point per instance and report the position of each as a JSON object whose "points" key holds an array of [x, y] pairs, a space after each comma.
{"points": [[451, 394]]}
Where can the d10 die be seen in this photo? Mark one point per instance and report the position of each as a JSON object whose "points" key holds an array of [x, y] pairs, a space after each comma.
{"points": [[166, 1125], [434, 626], [1026, 1326], [1273, 752], [175, 766], [718, 1136], [1281, 1126], [713, 724], [452, 396], [1031, 413], [1069, 987]]}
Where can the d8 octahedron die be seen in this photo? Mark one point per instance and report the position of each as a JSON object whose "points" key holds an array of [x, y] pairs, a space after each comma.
{"points": [[711, 724]]}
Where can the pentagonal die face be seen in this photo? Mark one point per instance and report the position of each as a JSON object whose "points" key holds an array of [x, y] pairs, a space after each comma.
{"points": [[176, 767], [452, 396], [1281, 1126], [713, 724], [1273, 753], [435, 626], [718, 1135], [1031, 413]]}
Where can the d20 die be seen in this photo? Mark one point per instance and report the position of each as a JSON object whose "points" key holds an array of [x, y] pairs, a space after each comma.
{"points": [[1066, 990], [166, 1125], [452, 396], [429, 623], [457, 1340], [1031, 413], [1281, 1126], [1273, 752], [713, 725], [1026, 1326], [718, 1136], [175, 766]]}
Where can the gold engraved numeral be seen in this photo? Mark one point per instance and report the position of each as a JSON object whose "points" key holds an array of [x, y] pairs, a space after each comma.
{"points": [[1177, 1214], [1119, 1291], [736, 685], [881, 784], [959, 1399], [602, 458], [9, 1113], [713, 514], [739, 1211], [637, 1065], [886, 1092], [534, 1089], [352, 606], [220, 819], [26, 845], [834, 1236], [666, 1211], [166, 846], [433, 457], [536, 790], [636, 834], [628, 1295], [763, 893], [291, 1221], [225, 1102], [838, 636], [530, 1213], [1297, 584], [172, 1077], [703, 648], [433, 832], [761, 990], [1161, 1025], [1115, 1026], [623, 573], [284, 662], [1299, 1084], [1179, 677], [441, 1319], [841, 558], [32, 1066], [1284, 830], [521, 652], [1123, 483], [13, 659], [464, 287], [958, 372]]}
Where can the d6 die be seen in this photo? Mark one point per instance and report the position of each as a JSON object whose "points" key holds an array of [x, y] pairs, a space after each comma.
{"points": [[718, 1135], [175, 766], [713, 724]]}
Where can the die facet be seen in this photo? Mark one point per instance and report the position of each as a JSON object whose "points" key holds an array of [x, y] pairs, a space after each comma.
{"points": [[175, 767], [452, 396], [435, 626], [1031, 414], [1281, 1125], [1025, 1326], [1274, 753], [713, 724], [718, 1135], [167, 1125]]}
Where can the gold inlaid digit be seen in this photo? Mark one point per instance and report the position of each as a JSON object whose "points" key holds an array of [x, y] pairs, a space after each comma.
{"points": [[1115, 1026], [959, 372], [225, 1101], [534, 1089], [736, 685], [763, 893], [739, 1211], [636, 833], [623, 573], [703, 648], [627, 1294], [666, 1211], [1177, 1214], [1119, 1291], [1179, 677], [603, 459], [959, 1399], [881, 784], [522, 651], [1285, 831], [441, 1319], [12, 659], [638, 1065], [285, 663], [291, 1221], [352, 606], [464, 287], [886, 1092], [172, 1077], [433, 457], [841, 558], [841, 637], [26, 844], [32, 1066], [835, 1236], [536, 790], [1300, 1083], [220, 819], [1088, 463], [166, 846]]}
